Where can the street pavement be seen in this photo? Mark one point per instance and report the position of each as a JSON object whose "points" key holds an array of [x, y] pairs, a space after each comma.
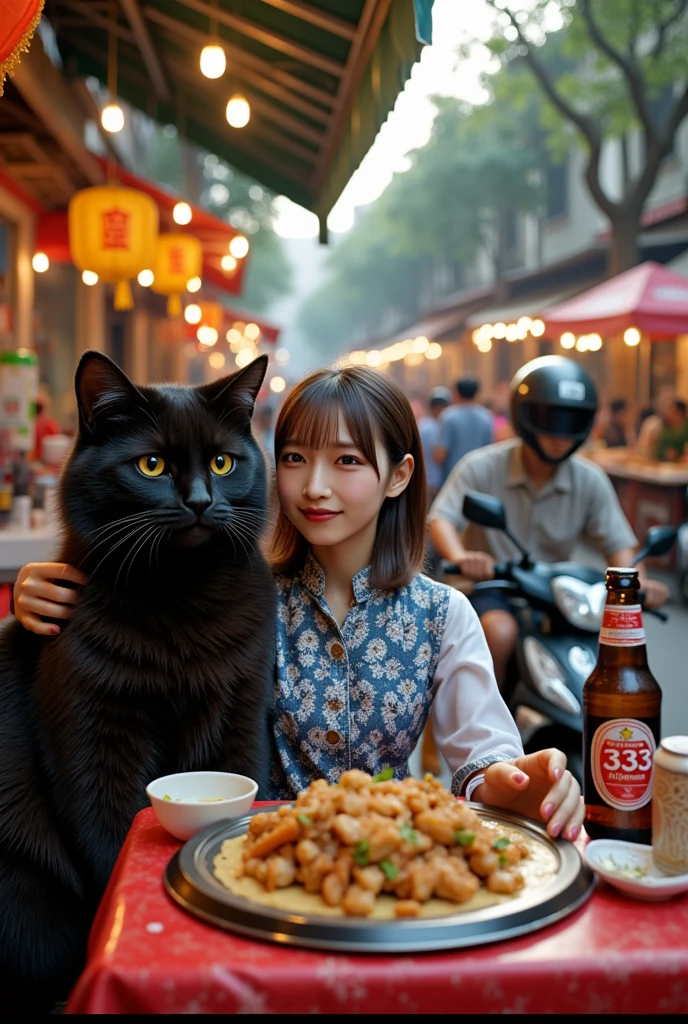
{"points": [[667, 653]]}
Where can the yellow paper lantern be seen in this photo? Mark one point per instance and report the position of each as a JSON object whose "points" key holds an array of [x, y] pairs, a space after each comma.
{"points": [[178, 258], [112, 232]]}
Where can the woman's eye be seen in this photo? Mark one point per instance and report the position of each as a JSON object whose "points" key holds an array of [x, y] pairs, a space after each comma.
{"points": [[221, 465], [151, 465], [292, 457], [349, 460]]}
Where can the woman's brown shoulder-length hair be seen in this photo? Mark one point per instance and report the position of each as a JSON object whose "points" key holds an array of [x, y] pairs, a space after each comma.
{"points": [[376, 410]]}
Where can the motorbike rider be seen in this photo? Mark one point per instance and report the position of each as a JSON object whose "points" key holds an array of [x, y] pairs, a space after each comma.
{"points": [[553, 498]]}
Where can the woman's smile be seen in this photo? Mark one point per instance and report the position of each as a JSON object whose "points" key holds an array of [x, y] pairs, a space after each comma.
{"points": [[319, 515]]}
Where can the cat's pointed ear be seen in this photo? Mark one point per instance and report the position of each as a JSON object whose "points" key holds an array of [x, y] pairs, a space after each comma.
{"points": [[102, 389], [239, 389]]}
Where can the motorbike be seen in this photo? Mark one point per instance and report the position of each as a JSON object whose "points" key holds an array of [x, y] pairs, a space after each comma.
{"points": [[558, 607]]}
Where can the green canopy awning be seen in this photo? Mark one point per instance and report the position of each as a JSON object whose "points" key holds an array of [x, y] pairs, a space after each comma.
{"points": [[321, 77]]}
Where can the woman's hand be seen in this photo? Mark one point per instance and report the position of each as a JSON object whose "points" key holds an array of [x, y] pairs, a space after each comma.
{"points": [[538, 786], [36, 594]]}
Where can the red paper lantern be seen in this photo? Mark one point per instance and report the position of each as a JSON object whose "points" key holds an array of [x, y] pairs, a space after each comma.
{"points": [[18, 22]]}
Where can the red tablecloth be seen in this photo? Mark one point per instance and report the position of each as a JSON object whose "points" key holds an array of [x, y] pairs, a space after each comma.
{"points": [[614, 955]]}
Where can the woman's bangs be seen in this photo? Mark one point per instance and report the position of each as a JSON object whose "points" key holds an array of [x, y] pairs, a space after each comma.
{"points": [[313, 420]]}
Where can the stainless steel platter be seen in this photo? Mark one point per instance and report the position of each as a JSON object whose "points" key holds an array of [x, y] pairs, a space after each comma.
{"points": [[190, 882]]}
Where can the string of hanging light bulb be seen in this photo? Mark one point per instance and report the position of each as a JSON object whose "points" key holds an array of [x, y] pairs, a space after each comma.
{"points": [[112, 115], [213, 63]]}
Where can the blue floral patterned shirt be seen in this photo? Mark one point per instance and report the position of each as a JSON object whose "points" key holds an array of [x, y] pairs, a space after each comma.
{"points": [[359, 695]]}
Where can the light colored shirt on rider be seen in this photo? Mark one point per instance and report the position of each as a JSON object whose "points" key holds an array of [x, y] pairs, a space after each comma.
{"points": [[577, 504]]}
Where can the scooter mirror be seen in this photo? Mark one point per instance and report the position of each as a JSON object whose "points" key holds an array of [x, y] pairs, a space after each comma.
{"points": [[659, 540], [484, 510]]}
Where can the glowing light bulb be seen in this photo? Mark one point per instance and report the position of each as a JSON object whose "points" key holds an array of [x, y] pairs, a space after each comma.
{"points": [[245, 356], [213, 61], [282, 356], [374, 357], [193, 313], [278, 384], [433, 351], [40, 262], [193, 284], [146, 278], [112, 118], [89, 277], [207, 335], [537, 328], [238, 111], [632, 336], [228, 263], [252, 331], [568, 340], [216, 360], [239, 247], [182, 213]]}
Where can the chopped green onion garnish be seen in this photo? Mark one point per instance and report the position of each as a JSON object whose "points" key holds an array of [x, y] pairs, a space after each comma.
{"points": [[304, 819], [361, 851], [501, 843], [409, 834], [389, 870], [465, 837], [384, 776], [503, 860], [167, 797]]}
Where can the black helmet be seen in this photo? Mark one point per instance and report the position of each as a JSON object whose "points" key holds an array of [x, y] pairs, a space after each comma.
{"points": [[553, 396]]}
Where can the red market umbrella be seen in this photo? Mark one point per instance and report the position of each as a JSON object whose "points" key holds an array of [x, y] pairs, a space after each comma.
{"points": [[649, 297]]}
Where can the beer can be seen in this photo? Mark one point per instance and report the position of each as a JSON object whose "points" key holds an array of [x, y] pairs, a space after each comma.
{"points": [[670, 806]]}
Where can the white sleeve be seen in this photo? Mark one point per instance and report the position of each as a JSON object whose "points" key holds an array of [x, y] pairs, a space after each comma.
{"points": [[472, 726]]}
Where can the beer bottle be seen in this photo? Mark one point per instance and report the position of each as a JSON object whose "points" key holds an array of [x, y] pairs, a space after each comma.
{"points": [[621, 720]]}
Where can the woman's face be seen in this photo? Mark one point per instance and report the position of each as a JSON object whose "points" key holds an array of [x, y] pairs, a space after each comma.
{"points": [[333, 494]]}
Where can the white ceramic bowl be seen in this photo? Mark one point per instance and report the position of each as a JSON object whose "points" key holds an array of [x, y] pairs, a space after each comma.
{"points": [[187, 802], [630, 868]]}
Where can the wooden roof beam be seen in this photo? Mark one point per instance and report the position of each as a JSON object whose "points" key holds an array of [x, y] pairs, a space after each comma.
{"points": [[148, 52], [99, 20], [271, 39], [369, 27], [314, 15], [240, 57]]}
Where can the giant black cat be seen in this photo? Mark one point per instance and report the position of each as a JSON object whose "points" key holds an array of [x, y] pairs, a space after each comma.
{"points": [[167, 664]]}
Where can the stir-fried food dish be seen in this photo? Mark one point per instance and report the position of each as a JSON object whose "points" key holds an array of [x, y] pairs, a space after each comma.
{"points": [[370, 835]]}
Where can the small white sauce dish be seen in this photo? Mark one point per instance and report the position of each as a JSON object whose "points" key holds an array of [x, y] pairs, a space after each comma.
{"points": [[629, 867], [189, 801]]}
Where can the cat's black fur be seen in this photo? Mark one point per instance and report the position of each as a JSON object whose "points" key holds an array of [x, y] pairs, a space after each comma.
{"points": [[166, 666]]}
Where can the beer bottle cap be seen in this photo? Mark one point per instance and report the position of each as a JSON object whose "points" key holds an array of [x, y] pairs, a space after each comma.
{"points": [[622, 576]]}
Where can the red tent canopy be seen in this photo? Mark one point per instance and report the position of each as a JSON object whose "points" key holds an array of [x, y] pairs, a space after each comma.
{"points": [[649, 297]]}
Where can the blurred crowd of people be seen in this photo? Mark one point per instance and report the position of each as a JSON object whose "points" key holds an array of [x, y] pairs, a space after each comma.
{"points": [[453, 422], [658, 432]]}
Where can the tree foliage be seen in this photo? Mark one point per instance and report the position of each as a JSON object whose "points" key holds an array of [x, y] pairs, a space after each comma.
{"points": [[621, 67], [479, 166]]}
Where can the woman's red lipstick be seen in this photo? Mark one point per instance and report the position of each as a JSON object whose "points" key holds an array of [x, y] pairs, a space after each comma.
{"points": [[318, 515]]}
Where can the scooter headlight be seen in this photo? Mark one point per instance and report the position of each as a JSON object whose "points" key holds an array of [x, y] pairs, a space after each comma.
{"points": [[548, 677], [581, 604]]}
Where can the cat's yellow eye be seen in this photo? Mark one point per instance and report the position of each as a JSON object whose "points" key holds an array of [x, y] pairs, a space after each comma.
{"points": [[221, 465], [151, 465]]}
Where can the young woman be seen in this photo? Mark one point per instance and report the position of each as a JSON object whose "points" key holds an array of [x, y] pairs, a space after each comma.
{"points": [[367, 645]]}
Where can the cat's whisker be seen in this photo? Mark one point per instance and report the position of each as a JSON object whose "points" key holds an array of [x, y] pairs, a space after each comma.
{"points": [[123, 540], [116, 522], [235, 533], [92, 548], [139, 546]]}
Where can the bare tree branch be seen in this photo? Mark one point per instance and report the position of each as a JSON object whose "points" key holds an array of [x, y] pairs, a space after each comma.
{"points": [[629, 69], [655, 155], [663, 26], [586, 125]]}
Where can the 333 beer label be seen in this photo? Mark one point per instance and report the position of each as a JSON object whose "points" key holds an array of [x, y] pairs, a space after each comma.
{"points": [[622, 626], [621, 761]]}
